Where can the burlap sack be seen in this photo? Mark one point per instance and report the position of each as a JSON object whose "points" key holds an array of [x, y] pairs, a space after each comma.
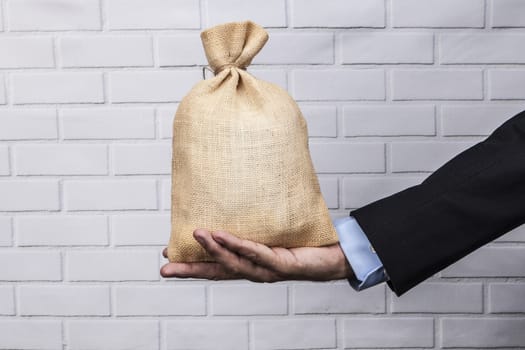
{"points": [[241, 161]]}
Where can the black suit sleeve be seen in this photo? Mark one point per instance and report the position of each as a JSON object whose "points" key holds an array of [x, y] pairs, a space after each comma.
{"points": [[474, 198]]}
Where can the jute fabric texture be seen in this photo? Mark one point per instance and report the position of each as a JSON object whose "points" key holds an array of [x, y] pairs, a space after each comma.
{"points": [[241, 161]]}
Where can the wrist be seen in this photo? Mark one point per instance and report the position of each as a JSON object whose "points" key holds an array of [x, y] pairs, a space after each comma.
{"points": [[346, 269]]}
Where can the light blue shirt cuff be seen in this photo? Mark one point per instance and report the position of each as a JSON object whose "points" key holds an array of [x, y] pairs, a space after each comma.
{"points": [[365, 263]]}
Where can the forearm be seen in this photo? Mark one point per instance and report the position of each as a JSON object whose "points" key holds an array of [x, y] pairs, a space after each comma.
{"points": [[468, 202]]}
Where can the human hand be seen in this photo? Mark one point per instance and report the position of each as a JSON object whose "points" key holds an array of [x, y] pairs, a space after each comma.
{"points": [[243, 259]]}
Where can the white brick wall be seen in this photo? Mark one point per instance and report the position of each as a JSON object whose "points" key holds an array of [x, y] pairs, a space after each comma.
{"points": [[152, 14], [160, 300], [387, 48], [53, 15], [249, 300], [507, 13], [65, 159], [57, 87], [27, 52], [390, 90], [438, 13], [110, 51], [5, 231], [112, 334], [45, 334], [206, 334], [407, 332], [269, 13], [59, 300], [61, 230], [14, 124]]}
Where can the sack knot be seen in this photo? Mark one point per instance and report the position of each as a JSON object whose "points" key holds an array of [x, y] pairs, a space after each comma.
{"points": [[226, 66]]}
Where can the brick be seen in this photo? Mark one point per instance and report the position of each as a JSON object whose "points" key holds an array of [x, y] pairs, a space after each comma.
{"points": [[160, 300], [206, 334], [110, 195], [338, 84], [389, 120], [153, 14], [4, 160], [276, 76], [294, 333], [61, 300], [171, 52], [166, 117], [2, 90], [506, 84], [61, 159], [251, 299], [6, 234], [106, 51], [516, 235], [44, 334], [438, 13], [108, 123], [166, 194], [142, 158], [482, 332], [27, 15], [508, 13], [441, 298], [489, 48], [303, 48], [321, 120], [389, 332], [112, 265], [340, 13], [14, 122], [27, 52], [359, 191], [129, 230], [437, 85], [268, 13], [348, 158], [490, 262], [112, 334], [165, 86], [57, 87], [19, 195], [332, 298], [366, 48], [475, 120], [30, 266], [7, 301], [506, 297], [63, 230], [424, 156], [330, 191]]}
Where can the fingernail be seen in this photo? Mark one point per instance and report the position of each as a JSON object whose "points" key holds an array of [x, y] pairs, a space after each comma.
{"points": [[199, 239], [218, 239], [198, 235]]}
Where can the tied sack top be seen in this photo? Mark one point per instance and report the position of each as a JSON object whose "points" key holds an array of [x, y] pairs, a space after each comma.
{"points": [[241, 161]]}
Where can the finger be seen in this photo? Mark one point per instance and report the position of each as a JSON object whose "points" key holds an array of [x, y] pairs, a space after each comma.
{"points": [[218, 252], [165, 253], [233, 263], [258, 253], [211, 271]]}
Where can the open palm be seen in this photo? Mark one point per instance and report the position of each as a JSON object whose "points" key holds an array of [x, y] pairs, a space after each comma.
{"points": [[237, 258]]}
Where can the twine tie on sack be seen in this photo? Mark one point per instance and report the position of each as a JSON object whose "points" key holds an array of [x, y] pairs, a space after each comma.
{"points": [[228, 65], [220, 69]]}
